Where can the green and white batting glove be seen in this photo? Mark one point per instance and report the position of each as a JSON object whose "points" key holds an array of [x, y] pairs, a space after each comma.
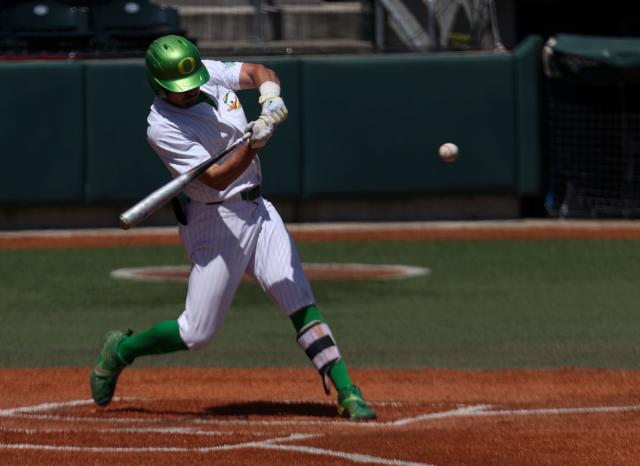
{"points": [[261, 132], [273, 106]]}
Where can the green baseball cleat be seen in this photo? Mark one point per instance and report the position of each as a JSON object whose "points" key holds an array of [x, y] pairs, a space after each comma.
{"points": [[351, 405], [105, 374]]}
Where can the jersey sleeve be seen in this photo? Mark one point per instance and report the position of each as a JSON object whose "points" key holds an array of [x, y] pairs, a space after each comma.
{"points": [[226, 74], [178, 152]]}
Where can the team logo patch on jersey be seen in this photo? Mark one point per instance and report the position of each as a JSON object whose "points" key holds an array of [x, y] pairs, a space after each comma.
{"points": [[231, 101], [229, 64]]}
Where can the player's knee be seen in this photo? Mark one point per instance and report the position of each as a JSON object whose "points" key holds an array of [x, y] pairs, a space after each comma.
{"points": [[195, 337], [197, 342]]}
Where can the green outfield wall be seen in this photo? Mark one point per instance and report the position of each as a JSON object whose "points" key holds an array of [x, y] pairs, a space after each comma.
{"points": [[43, 132], [75, 132]]}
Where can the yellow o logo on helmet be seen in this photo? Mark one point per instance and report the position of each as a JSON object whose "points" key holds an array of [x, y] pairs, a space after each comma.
{"points": [[186, 65]]}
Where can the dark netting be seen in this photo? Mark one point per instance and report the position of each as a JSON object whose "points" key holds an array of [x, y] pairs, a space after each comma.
{"points": [[592, 149], [592, 127]]}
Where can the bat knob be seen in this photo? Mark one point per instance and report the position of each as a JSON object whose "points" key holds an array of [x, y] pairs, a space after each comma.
{"points": [[124, 223]]}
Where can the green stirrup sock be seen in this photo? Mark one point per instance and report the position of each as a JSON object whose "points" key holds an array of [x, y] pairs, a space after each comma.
{"points": [[163, 337], [338, 372], [339, 375], [305, 315]]}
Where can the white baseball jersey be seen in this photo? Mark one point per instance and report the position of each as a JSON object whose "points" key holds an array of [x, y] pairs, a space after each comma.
{"points": [[185, 137], [233, 236]]}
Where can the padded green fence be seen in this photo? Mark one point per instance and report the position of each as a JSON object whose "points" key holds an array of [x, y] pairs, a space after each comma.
{"points": [[358, 126], [528, 76], [374, 125], [42, 121], [281, 159], [120, 164]]}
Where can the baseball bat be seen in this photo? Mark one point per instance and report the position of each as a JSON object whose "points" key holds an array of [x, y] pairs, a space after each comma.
{"points": [[154, 201]]}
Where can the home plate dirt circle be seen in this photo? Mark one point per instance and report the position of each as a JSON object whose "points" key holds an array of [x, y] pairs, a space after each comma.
{"points": [[329, 271]]}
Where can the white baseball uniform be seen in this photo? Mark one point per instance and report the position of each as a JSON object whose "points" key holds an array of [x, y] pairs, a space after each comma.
{"points": [[226, 236]]}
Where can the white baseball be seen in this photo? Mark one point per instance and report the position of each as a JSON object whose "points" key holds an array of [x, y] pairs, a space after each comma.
{"points": [[448, 152]]}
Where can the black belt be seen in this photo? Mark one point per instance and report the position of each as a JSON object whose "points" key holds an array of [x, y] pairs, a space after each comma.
{"points": [[246, 195]]}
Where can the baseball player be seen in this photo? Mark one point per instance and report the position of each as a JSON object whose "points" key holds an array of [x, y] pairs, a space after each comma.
{"points": [[227, 228]]}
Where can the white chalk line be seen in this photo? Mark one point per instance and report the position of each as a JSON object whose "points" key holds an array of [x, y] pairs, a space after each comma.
{"points": [[558, 411], [30, 412], [275, 443], [268, 444], [355, 457], [459, 412], [192, 420], [150, 449], [481, 410], [135, 430], [43, 407]]}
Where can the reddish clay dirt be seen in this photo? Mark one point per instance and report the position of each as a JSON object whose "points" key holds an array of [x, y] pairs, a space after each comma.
{"points": [[515, 230], [280, 416]]}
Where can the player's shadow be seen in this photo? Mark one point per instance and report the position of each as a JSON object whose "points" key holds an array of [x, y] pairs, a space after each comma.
{"points": [[270, 408], [242, 409]]}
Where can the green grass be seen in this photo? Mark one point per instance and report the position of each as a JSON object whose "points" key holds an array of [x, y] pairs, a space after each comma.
{"points": [[486, 304]]}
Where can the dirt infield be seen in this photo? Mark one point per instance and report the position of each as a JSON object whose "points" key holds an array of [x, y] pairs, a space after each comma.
{"points": [[281, 417], [186, 416], [489, 230]]}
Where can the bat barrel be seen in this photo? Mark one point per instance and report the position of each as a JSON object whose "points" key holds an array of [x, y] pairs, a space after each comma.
{"points": [[154, 201]]}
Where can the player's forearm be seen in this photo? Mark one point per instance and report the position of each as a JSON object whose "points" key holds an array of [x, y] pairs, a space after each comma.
{"points": [[253, 75], [220, 176]]}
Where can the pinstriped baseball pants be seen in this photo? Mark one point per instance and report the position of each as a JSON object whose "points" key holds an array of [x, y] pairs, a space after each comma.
{"points": [[224, 242]]}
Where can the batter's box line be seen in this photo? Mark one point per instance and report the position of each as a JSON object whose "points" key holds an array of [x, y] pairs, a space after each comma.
{"points": [[276, 443], [480, 410], [489, 411], [173, 430], [50, 406]]}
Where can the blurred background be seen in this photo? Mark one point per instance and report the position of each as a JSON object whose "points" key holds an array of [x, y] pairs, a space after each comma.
{"points": [[540, 96]]}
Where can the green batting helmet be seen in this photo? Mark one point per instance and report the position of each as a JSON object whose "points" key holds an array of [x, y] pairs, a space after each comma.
{"points": [[173, 64]]}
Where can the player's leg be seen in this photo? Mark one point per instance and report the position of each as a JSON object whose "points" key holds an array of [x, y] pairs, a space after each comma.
{"points": [[277, 268], [217, 269], [208, 302], [213, 282], [316, 338], [121, 348], [163, 337], [220, 249], [337, 371]]}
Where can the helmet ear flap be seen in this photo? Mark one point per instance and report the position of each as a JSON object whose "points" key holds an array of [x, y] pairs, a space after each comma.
{"points": [[157, 89]]}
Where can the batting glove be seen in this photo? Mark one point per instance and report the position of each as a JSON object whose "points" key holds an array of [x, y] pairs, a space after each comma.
{"points": [[273, 106], [261, 132]]}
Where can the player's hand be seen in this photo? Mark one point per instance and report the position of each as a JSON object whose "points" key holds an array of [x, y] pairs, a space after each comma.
{"points": [[273, 107], [261, 132]]}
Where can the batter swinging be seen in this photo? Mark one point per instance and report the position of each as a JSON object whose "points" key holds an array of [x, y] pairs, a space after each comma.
{"points": [[228, 227]]}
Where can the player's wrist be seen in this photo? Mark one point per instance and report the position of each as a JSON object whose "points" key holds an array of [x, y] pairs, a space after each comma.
{"points": [[268, 90]]}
